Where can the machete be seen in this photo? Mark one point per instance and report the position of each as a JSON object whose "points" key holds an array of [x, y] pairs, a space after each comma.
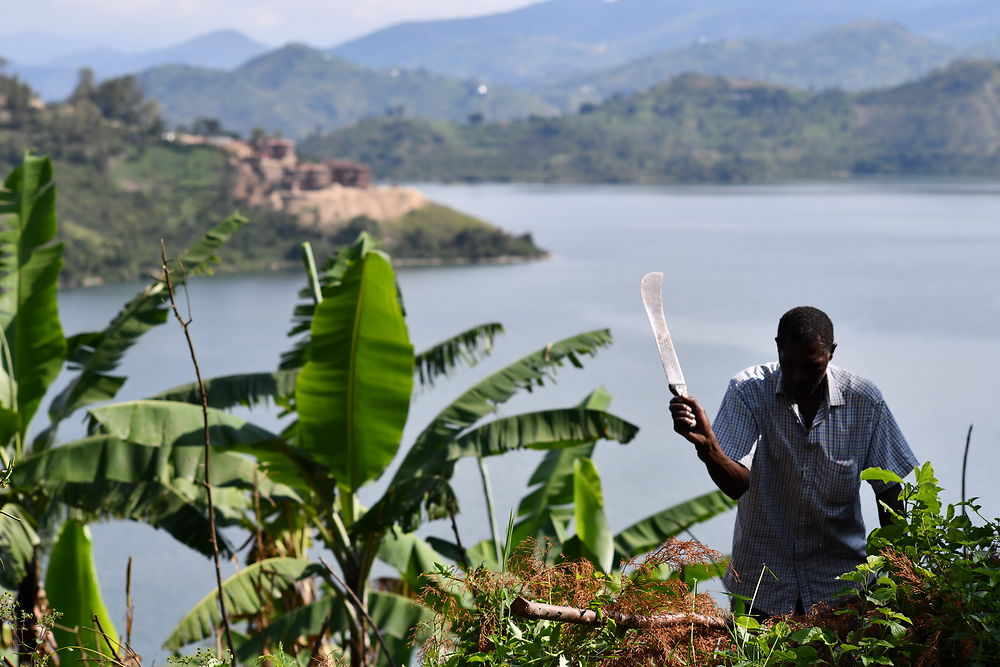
{"points": [[652, 298]]}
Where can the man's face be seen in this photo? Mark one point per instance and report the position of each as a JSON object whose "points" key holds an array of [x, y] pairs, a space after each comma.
{"points": [[803, 367]]}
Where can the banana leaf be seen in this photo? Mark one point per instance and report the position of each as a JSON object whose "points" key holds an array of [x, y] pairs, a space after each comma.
{"points": [[468, 347], [410, 555], [306, 621], [483, 554], [160, 485], [107, 458], [404, 503], [353, 395], [590, 520], [653, 531], [171, 423], [292, 467], [328, 278], [246, 592], [228, 391], [18, 541], [182, 513], [29, 275], [553, 482], [95, 354], [426, 456], [73, 589], [396, 616], [547, 429]]}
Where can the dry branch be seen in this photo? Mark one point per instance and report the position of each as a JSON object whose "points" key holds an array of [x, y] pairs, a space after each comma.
{"points": [[208, 443], [550, 612]]}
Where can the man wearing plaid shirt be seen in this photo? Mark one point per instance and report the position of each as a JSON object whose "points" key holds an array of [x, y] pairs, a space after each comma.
{"points": [[790, 442]]}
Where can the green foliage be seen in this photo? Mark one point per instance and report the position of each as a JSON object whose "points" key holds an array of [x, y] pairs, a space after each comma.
{"points": [[29, 267], [122, 188], [353, 373], [927, 590], [696, 128], [856, 56], [297, 89], [591, 523], [353, 394], [73, 589], [473, 622], [246, 591], [435, 232]]}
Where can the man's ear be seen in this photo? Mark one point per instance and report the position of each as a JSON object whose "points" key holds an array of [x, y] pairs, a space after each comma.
{"points": [[833, 348]]}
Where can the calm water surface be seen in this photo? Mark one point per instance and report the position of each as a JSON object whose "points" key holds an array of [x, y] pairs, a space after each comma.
{"points": [[907, 270]]}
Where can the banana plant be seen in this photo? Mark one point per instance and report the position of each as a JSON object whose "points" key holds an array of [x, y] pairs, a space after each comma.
{"points": [[147, 473], [348, 385], [565, 508], [565, 482]]}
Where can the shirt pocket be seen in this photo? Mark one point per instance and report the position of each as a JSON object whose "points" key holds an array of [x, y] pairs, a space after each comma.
{"points": [[838, 480]]}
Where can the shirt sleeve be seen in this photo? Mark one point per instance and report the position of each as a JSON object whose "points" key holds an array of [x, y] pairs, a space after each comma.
{"points": [[888, 448], [735, 426]]}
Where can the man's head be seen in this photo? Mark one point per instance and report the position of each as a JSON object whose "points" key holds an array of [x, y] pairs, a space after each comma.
{"points": [[805, 348]]}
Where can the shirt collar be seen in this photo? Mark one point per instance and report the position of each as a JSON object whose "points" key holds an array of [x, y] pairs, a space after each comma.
{"points": [[835, 395]]}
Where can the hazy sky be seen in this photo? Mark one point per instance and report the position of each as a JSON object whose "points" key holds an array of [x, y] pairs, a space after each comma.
{"points": [[145, 24]]}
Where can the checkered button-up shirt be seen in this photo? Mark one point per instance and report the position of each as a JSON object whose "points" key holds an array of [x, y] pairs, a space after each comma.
{"points": [[801, 516]]}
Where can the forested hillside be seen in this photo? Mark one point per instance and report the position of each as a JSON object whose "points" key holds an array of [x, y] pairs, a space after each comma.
{"points": [[857, 56], [122, 188], [297, 88], [697, 128], [534, 43]]}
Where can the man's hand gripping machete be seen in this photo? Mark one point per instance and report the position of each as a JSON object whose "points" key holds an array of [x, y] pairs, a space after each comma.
{"points": [[652, 297]]}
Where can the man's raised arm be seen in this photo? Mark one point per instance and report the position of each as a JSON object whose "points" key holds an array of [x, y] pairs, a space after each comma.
{"points": [[691, 422]]}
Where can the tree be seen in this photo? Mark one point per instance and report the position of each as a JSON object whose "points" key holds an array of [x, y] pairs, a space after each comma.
{"points": [[349, 385], [129, 474]]}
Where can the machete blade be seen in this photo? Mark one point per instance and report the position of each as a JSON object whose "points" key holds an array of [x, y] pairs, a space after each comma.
{"points": [[652, 298]]}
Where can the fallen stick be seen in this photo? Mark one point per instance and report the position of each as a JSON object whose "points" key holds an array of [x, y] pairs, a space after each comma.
{"points": [[550, 612]]}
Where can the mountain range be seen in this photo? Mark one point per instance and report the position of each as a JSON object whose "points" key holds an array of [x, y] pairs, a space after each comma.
{"points": [[297, 89], [697, 128], [555, 55], [54, 79], [559, 37], [856, 56]]}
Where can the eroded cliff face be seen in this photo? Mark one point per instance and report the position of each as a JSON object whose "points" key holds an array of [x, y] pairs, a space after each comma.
{"points": [[335, 205]]}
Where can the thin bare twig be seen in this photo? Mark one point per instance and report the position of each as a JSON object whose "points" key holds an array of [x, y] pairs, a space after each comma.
{"points": [[107, 639], [208, 446], [129, 608], [361, 610]]}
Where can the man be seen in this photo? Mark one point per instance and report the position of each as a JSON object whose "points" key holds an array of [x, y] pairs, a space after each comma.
{"points": [[790, 442]]}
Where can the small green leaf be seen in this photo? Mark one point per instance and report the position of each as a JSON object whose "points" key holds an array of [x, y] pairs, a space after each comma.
{"points": [[880, 474]]}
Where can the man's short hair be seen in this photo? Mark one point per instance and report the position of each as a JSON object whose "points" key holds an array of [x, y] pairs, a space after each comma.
{"points": [[805, 324]]}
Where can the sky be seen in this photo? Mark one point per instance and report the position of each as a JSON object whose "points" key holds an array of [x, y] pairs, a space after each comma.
{"points": [[138, 25]]}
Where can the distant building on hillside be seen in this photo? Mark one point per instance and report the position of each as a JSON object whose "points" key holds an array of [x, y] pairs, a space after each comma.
{"points": [[276, 163], [269, 173], [350, 174]]}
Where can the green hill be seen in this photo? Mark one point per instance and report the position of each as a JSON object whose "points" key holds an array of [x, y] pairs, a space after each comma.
{"points": [[857, 56], [697, 128], [122, 189], [296, 89], [541, 40]]}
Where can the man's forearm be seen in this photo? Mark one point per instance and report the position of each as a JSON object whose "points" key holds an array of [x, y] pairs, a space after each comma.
{"points": [[691, 422], [729, 475]]}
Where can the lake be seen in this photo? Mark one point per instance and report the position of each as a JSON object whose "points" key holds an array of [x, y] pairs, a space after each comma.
{"points": [[907, 270]]}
